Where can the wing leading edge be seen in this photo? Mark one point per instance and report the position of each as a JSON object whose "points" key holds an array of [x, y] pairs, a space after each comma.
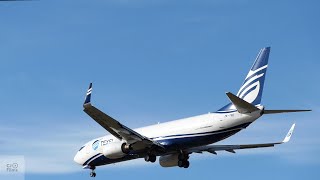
{"points": [[230, 148]]}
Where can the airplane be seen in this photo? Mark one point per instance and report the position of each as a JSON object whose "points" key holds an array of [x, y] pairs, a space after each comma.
{"points": [[174, 141]]}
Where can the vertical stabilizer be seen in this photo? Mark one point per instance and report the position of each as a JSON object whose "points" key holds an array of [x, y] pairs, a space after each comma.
{"points": [[252, 87]]}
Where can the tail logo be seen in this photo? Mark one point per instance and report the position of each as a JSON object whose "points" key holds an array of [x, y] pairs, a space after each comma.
{"points": [[250, 89]]}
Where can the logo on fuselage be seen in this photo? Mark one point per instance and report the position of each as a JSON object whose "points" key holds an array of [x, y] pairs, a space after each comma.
{"points": [[95, 145]]}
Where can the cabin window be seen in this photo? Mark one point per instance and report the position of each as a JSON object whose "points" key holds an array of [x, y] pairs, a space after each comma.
{"points": [[81, 148]]}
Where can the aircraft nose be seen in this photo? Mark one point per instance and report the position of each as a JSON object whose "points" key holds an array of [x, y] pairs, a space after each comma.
{"points": [[77, 159]]}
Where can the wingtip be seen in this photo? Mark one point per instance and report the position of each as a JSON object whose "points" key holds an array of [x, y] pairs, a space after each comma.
{"points": [[289, 134]]}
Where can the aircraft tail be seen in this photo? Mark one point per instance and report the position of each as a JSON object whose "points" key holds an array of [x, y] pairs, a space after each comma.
{"points": [[252, 87]]}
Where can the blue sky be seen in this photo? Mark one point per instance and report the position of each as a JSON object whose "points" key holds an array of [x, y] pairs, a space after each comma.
{"points": [[154, 61]]}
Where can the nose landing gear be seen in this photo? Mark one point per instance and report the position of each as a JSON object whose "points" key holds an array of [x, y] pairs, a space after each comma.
{"points": [[93, 173]]}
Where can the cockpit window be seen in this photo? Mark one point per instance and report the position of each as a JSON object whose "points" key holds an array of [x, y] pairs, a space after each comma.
{"points": [[81, 148]]}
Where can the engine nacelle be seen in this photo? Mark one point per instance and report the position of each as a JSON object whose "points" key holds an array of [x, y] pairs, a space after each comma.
{"points": [[170, 160], [115, 150]]}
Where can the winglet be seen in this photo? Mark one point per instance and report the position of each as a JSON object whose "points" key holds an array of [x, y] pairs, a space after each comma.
{"points": [[287, 138], [88, 95], [241, 105]]}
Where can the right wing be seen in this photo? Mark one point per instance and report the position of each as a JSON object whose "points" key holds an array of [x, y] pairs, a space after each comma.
{"points": [[230, 148]]}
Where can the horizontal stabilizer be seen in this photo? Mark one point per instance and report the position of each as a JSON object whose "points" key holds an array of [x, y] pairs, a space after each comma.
{"points": [[282, 111], [241, 105]]}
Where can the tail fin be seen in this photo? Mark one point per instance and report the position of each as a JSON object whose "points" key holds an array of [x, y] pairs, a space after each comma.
{"points": [[252, 87]]}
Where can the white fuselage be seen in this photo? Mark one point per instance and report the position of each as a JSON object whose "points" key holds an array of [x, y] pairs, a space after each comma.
{"points": [[167, 134]]}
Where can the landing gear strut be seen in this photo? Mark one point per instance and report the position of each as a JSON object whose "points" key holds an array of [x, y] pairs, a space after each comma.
{"points": [[150, 158], [183, 160], [93, 173]]}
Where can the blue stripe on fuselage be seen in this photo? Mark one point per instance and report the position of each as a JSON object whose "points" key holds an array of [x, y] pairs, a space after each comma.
{"points": [[91, 158], [203, 133]]}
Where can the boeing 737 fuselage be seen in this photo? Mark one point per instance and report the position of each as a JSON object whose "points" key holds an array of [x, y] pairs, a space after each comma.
{"points": [[174, 141]]}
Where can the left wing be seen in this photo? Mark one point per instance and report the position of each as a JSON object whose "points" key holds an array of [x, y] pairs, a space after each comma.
{"points": [[113, 126], [230, 148]]}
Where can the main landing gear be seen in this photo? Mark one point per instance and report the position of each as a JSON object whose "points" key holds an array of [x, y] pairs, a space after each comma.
{"points": [[150, 158], [93, 173], [183, 160]]}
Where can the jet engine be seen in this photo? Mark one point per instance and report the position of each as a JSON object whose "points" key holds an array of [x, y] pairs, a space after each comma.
{"points": [[170, 160], [116, 150]]}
